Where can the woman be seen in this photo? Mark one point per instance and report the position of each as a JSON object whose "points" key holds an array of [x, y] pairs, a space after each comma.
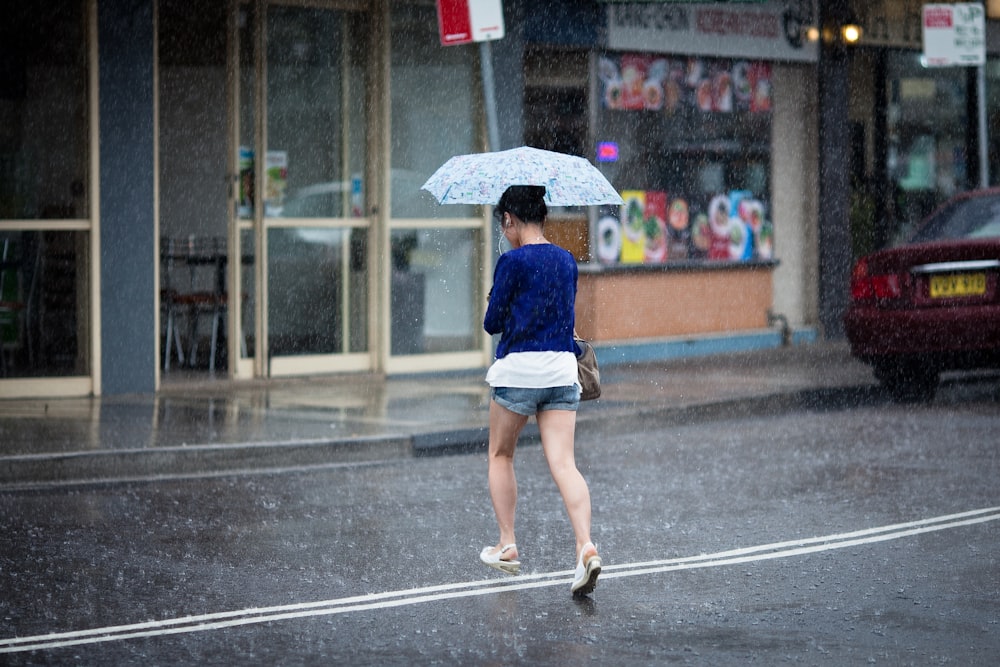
{"points": [[531, 306]]}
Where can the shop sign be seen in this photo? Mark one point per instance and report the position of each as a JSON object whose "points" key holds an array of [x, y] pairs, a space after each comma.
{"points": [[464, 21], [954, 35], [765, 30]]}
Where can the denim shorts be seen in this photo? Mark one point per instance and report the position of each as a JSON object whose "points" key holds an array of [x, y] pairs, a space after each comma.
{"points": [[528, 401]]}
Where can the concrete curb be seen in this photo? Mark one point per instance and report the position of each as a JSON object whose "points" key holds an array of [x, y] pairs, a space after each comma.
{"points": [[193, 461]]}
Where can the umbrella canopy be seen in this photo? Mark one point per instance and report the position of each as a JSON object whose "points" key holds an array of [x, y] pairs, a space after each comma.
{"points": [[480, 178]]}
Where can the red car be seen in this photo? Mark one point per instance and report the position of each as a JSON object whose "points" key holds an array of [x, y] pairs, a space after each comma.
{"points": [[933, 303]]}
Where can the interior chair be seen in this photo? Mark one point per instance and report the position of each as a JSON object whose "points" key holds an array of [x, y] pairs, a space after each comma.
{"points": [[192, 298]]}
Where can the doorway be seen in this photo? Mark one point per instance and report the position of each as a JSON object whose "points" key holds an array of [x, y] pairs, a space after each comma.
{"points": [[262, 164], [300, 227]]}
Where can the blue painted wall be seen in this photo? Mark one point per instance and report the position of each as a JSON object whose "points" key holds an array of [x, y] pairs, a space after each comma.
{"points": [[128, 323]]}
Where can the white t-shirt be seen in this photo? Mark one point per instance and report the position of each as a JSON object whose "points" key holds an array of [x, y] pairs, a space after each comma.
{"points": [[534, 370]]}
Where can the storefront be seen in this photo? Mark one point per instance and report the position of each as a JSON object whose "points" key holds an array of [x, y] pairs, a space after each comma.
{"points": [[702, 116], [232, 189]]}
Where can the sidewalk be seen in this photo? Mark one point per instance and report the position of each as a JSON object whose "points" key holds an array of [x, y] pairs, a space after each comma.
{"points": [[210, 427]]}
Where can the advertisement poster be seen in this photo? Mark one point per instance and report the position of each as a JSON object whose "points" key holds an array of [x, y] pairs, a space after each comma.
{"points": [[275, 182], [653, 228], [678, 230], [639, 82], [633, 221]]}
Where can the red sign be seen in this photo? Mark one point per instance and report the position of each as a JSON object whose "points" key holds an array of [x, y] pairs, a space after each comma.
{"points": [[937, 17], [454, 22], [464, 21]]}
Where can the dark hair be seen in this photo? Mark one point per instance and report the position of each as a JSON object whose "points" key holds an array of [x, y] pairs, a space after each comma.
{"points": [[525, 201]]}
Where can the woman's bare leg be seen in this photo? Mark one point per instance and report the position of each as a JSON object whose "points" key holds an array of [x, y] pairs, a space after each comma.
{"points": [[505, 427], [558, 429]]}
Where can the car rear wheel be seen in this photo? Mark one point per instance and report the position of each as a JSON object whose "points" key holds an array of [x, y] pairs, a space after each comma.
{"points": [[907, 382]]}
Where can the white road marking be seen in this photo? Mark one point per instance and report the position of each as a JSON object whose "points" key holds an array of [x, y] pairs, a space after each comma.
{"points": [[389, 599]]}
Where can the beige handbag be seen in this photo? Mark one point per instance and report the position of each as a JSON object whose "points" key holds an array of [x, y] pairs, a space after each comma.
{"points": [[588, 372]]}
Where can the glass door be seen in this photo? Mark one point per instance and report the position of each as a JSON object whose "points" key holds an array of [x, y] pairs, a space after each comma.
{"points": [[301, 228]]}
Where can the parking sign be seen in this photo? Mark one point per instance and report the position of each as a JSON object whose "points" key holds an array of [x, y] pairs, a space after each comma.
{"points": [[464, 21], [954, 35]]}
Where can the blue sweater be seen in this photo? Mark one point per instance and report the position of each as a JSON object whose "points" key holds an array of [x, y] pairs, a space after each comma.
{"points": [[532, 301]]}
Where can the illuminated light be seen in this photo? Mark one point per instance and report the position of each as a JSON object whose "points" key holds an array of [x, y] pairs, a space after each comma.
{"points": [[851, 33], [607, 151], [812, 33]]}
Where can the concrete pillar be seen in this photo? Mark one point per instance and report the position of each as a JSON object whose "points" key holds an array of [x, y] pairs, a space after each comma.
{"points": [[835, 254], [127, 224]]}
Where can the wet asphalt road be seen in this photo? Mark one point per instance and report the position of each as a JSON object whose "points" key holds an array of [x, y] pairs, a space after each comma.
{"points": [[708, 530]]}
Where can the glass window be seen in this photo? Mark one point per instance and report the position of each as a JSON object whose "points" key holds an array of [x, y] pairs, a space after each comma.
{"points": [[927, 126], [974, 218], [687, 143], [315, 114], [192, 118], [317, 289], [44, 175], [435, 295], [43, 111], [434, 107], [44, 317], [433, 305]]}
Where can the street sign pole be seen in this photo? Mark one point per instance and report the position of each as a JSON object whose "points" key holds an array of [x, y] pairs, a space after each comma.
{"points": [[489, 95], [464, 21], [984, 158]]}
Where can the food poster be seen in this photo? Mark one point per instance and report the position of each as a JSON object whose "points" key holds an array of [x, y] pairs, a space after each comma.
{"points": [[642, 238], [634, 82], [609, 239], [633, 221], [275, 182], [738, 229], [678, 229], [653, 228]]}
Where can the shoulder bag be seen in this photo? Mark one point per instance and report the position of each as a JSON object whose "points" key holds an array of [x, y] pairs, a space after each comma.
{"points": [[587, 370]]}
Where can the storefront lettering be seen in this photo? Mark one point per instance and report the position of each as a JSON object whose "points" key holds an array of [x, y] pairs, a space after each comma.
{"points": [[767, 30], [652, 17], [737, 24]]}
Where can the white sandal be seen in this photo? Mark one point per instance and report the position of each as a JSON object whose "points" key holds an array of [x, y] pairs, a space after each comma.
{"points": [[494, 560], [587, 571]]}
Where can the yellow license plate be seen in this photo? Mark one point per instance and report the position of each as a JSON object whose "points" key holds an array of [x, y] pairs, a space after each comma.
{"points": [[958, 284]]}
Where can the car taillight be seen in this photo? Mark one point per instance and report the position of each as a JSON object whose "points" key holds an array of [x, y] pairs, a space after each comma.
{"points": [[861, 284], [867, 287]]}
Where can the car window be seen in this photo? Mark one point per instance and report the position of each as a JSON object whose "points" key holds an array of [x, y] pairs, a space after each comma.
{"points": [[974, 218]]}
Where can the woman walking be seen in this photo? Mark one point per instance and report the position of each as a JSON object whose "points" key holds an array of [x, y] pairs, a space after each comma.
{"points": [[531, 306]]}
